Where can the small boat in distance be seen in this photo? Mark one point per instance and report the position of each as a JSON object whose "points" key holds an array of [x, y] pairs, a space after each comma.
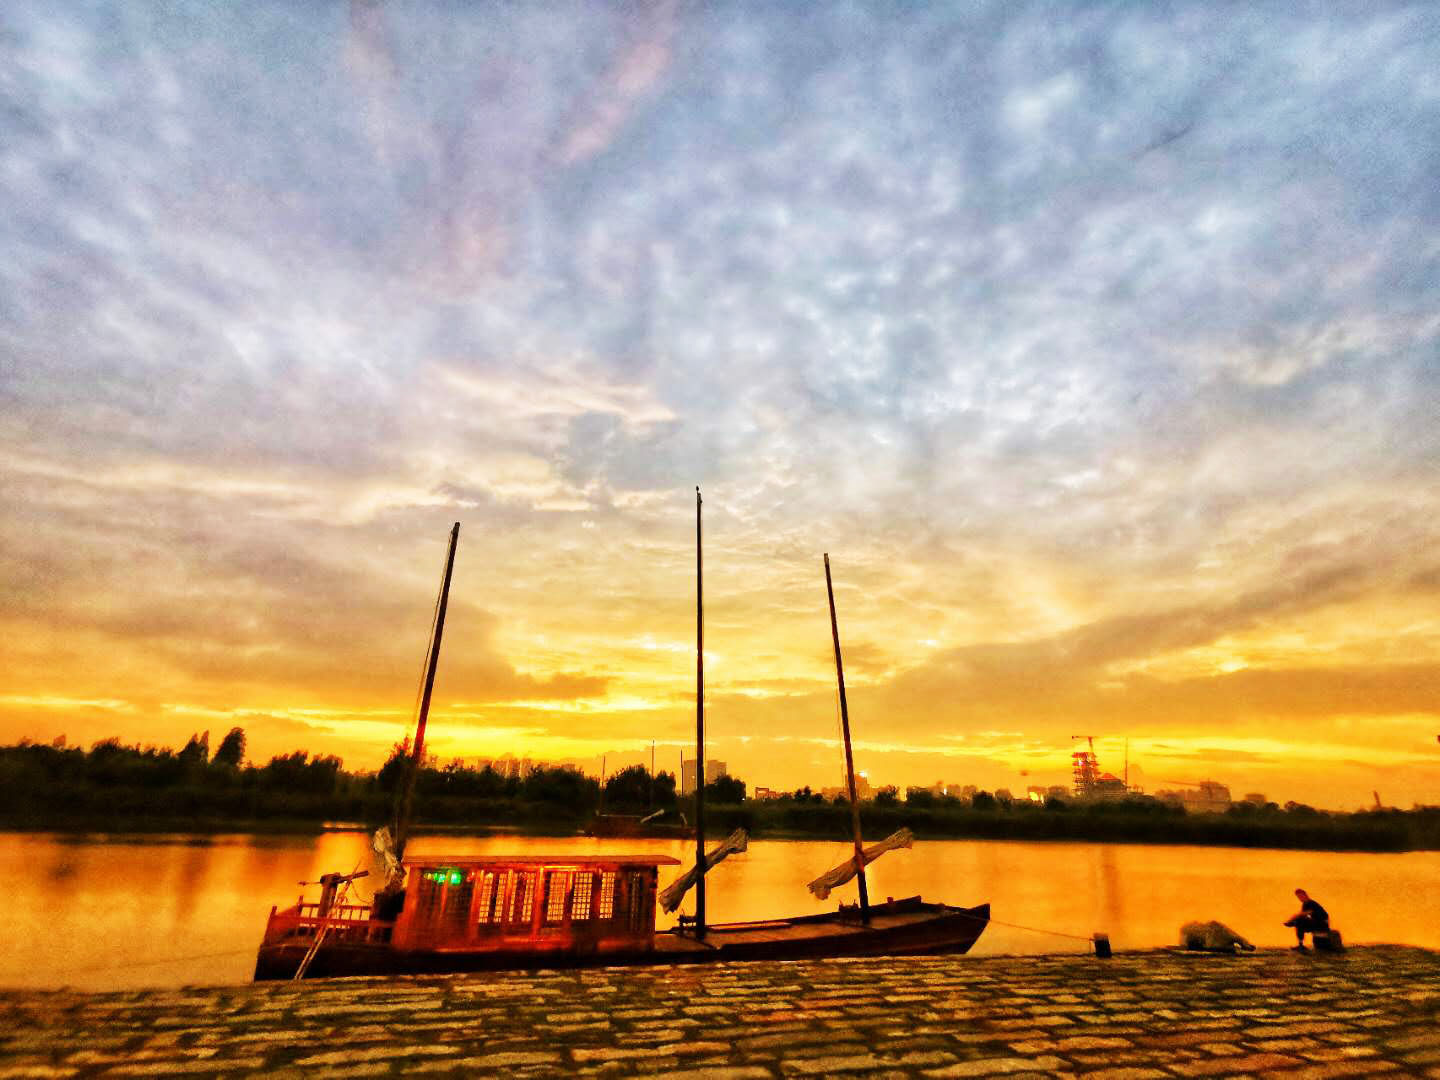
{"points": [[611, 826], [459, 913]]}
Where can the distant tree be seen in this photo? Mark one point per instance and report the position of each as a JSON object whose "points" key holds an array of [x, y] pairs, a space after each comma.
{"points": [[297, 772], [196, 751], [1053, 802], [726, 789], [919, 796], [393, 771], [983, 800], [665, 789], [629, 788], [231, 751], [888, 796], [561, 786]]}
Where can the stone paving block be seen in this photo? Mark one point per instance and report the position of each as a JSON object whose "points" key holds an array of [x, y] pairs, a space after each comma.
{"points": [[1151, 1012], [351, 1055], [998, 1066], [177, 1068]]}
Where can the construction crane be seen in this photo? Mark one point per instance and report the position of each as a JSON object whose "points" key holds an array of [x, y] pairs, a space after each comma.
{"points": [[1084, 768]]}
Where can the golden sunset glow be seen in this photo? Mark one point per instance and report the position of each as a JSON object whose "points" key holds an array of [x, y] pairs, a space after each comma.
{"points": [[1114, 408]]}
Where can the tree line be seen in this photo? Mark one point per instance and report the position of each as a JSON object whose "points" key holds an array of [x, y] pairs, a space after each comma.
{"points": [[115, 787]]}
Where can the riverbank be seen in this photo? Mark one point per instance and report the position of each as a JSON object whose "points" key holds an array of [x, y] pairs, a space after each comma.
{"points": [[1157, 1014], [1388, 832]]}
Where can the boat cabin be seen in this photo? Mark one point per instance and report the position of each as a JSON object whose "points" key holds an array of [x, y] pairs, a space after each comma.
{"points": [[589, 903], [504, 903]]}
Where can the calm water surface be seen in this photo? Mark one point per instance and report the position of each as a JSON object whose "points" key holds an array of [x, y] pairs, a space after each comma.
{"points": [[115, 912]]}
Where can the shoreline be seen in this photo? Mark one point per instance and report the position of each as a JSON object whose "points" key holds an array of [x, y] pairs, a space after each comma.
{"points": [[117, 831]]}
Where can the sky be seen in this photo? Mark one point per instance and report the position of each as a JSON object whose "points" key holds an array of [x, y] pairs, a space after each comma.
{"points": [[1098, 344]]}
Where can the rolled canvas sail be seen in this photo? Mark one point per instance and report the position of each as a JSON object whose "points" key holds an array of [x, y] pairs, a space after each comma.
{"points": [[673, 893], [832, 879]]}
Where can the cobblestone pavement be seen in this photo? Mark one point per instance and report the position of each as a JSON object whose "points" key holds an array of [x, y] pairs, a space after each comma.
{"points": [[1157, 1014]]}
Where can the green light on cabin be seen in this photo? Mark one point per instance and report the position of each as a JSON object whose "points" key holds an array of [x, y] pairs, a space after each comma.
{"points": [[455, 877]]}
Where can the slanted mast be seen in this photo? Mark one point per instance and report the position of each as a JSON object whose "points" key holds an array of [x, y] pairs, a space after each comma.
{"points": [[700, 862], [432, 660], [849, 758]]}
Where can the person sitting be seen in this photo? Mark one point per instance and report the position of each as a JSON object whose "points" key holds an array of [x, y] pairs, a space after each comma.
{"points": [[1311, 918]]}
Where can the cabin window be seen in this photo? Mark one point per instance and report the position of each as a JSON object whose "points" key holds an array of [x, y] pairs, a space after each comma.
{"points": [[427, 899], [492, 896], [522, 902], [580, 895], [636, 920], [444, 900], [607, 895], [556, 888]]}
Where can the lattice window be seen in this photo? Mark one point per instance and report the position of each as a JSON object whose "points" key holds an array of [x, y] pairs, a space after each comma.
{"points": [[580, 895], [492, 896], [427, 901], [457, 904], [522, 903], [607, 895], [556, 889], [638, 896]]}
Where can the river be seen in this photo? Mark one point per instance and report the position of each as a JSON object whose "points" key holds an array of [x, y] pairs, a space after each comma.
{"points": [[114, 912]]}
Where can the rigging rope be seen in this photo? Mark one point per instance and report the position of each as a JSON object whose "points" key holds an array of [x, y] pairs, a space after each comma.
{"points": [[1039, 930]]}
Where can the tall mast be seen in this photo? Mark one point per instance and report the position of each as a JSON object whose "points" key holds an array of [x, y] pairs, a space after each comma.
{"points": [[699, 726], [849, 758], [417, 758]]}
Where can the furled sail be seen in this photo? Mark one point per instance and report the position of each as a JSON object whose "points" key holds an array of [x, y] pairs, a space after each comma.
{"points": [[833, 879], [673, 893], [383, 844]]}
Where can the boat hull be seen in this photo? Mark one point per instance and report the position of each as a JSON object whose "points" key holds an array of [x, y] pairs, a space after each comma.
{"points": [[899, 928]]}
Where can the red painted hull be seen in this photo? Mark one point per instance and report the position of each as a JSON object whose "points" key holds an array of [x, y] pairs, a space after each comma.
{"points": [[900, 928]]}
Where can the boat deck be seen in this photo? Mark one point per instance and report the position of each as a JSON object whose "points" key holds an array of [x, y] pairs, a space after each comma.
{"points": [[910, 926]]}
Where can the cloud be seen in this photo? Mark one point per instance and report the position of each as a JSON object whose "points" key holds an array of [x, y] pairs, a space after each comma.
{"points": [[1096, 346]]}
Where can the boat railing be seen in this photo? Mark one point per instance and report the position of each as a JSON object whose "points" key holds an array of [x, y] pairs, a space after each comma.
{"points": [[342, 923]]}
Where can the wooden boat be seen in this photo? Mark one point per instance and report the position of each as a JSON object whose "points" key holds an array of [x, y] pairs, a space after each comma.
{"points": [[468, 913], [612, 826], [484, 913]]}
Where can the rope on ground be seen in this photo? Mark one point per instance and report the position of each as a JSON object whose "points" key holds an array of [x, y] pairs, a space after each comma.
{"points": [[1040, 930]]}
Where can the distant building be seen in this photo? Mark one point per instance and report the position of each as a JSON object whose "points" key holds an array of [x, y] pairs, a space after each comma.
{"points": [[1108, 786], [1255, 799], [714, 770], [1206, 797], [687, 776], [764, 793]]}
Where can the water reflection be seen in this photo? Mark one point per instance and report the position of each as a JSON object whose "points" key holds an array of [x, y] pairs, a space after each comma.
{"points": [[102, 912]]}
